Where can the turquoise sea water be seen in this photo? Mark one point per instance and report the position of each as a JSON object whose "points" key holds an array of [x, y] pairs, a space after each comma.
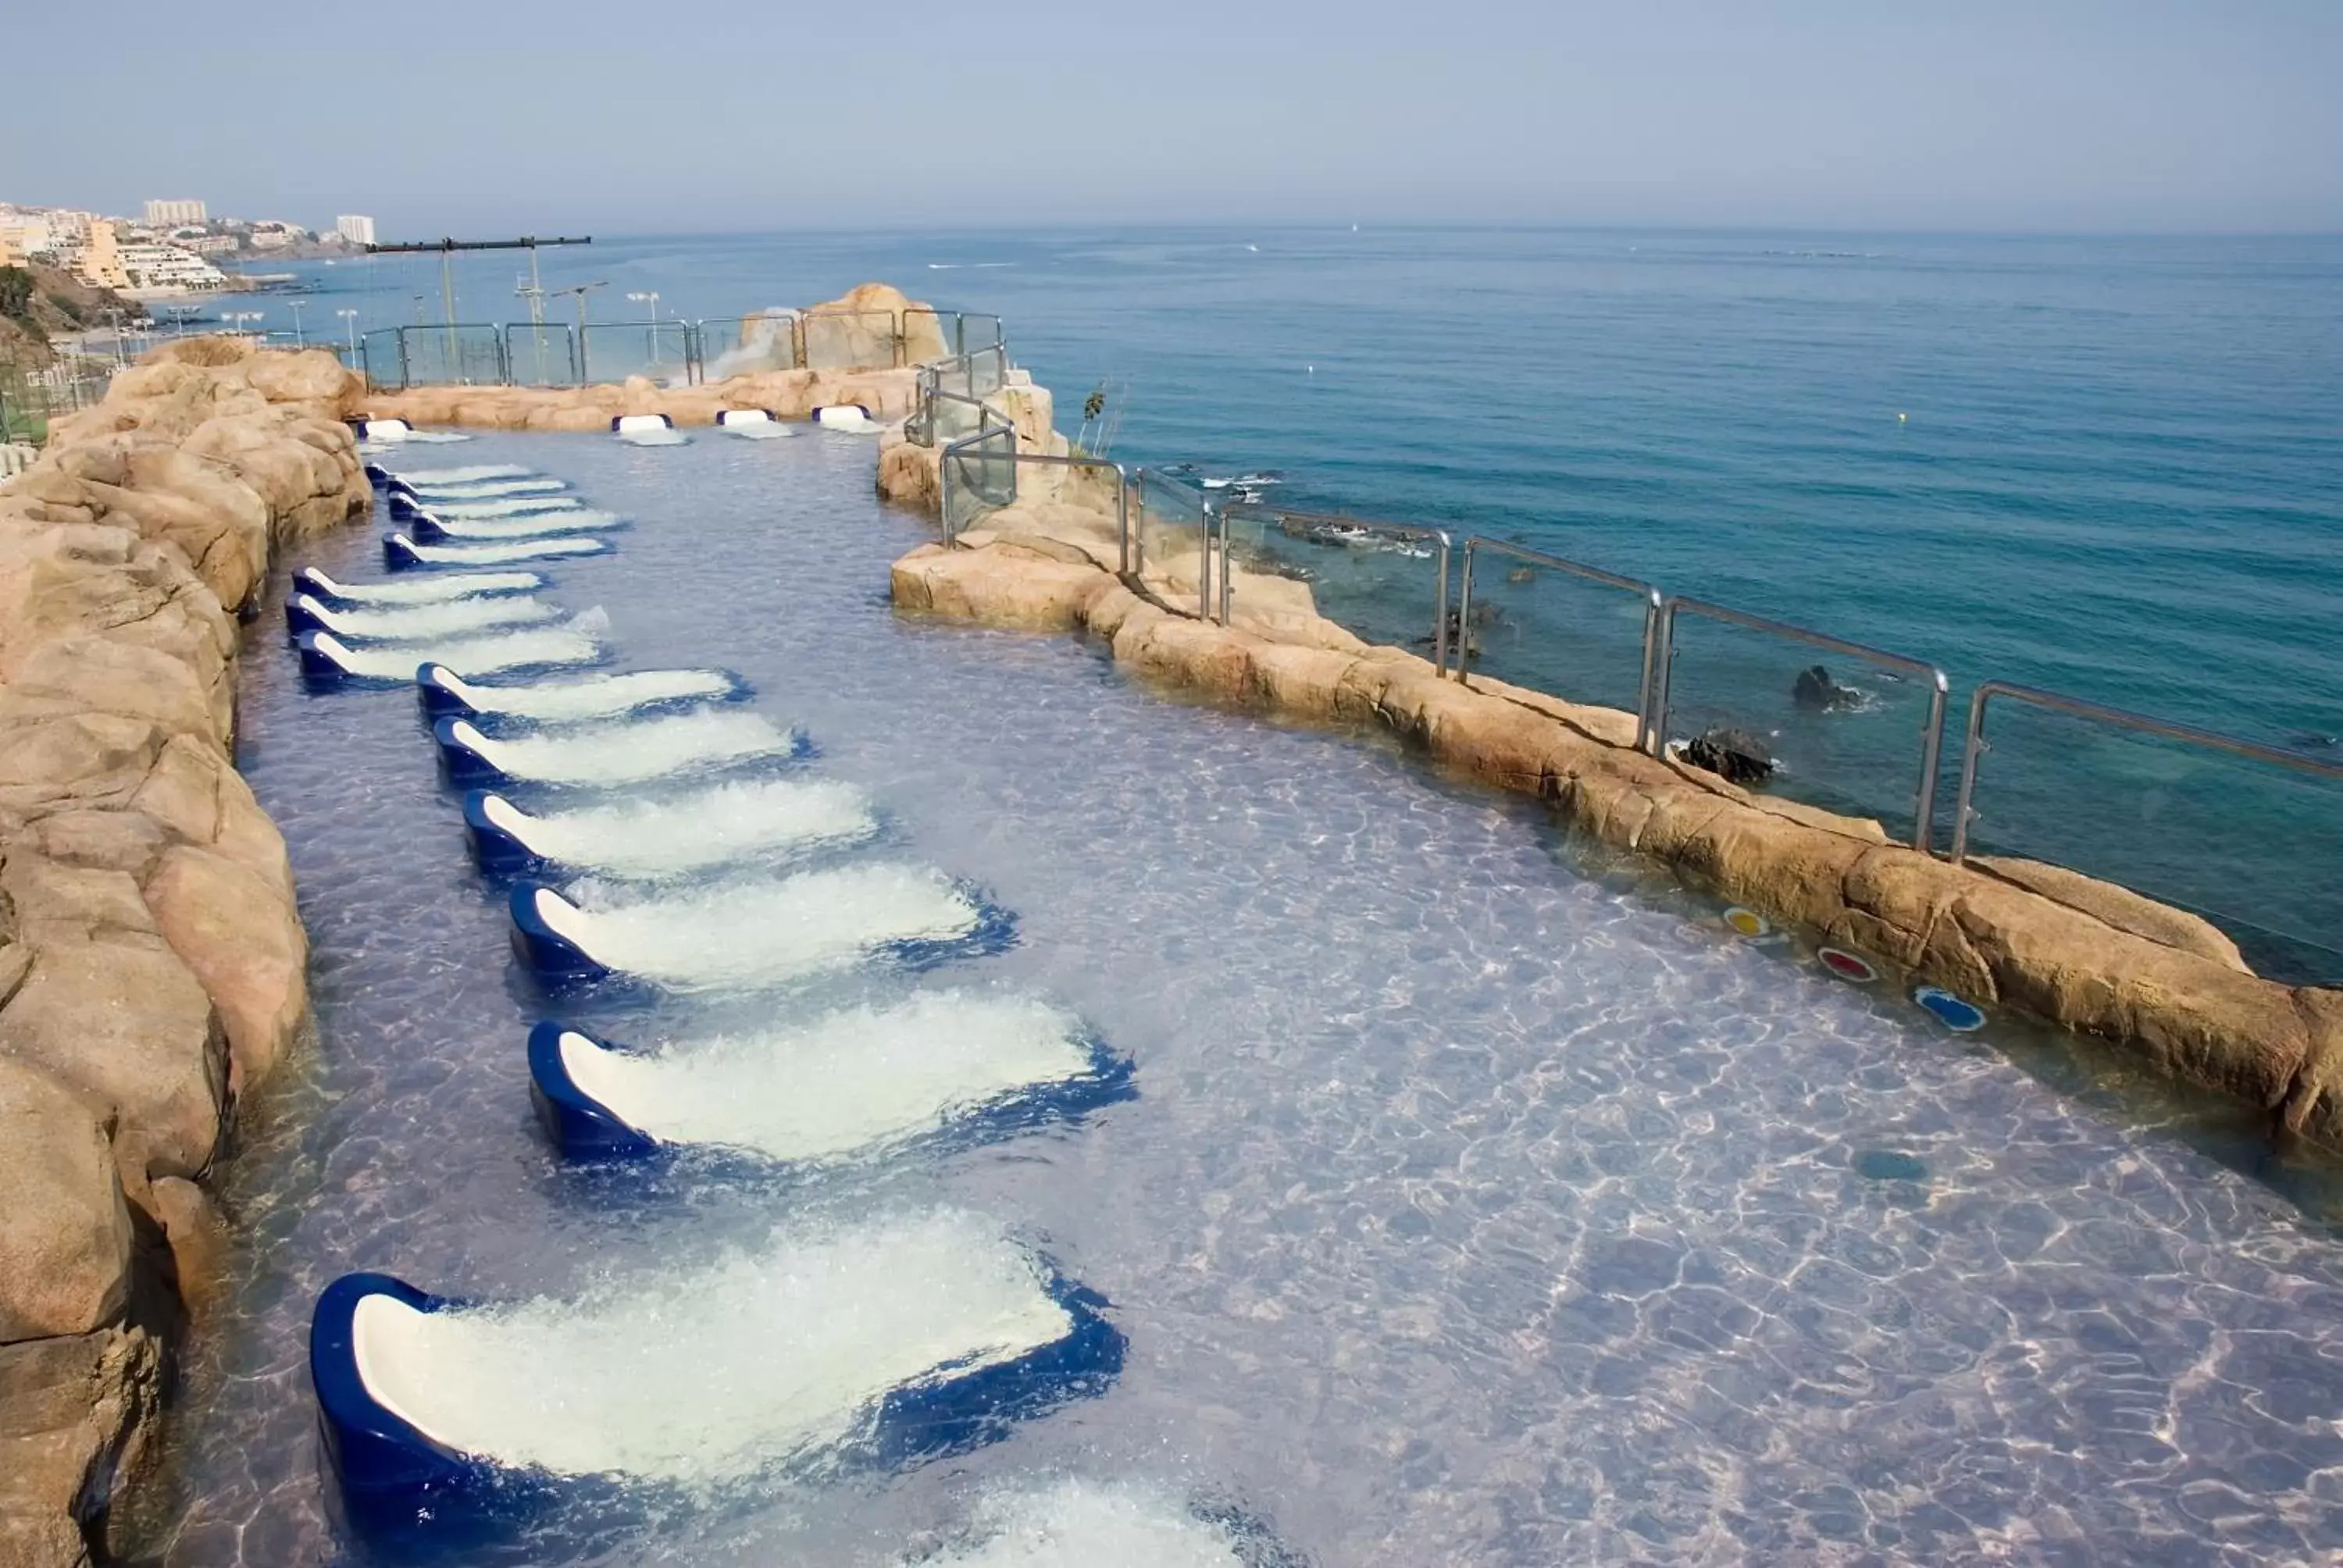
{"points": [[2108, 467]]}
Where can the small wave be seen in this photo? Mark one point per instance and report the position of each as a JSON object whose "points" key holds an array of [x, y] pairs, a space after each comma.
{"points": [[735, 822]]}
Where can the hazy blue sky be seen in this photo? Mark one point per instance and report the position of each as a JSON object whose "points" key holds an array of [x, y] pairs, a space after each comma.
{"points": [[514, 115]]}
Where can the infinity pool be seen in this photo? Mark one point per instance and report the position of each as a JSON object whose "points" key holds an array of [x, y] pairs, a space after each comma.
{"points": [[1479, 1202]]}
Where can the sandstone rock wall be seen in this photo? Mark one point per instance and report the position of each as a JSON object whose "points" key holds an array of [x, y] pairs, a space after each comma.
{"points": [[787, 394], [151, 959], [2032, 940], [860, 327]]}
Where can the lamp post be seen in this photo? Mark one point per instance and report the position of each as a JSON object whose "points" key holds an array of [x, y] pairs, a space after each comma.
{"points": [[299, 341], [579, 292], [650, 333], [351, 321]]}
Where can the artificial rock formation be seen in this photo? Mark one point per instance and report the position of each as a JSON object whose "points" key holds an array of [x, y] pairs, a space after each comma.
{"points": [[2034, 940], [152, 963], [872, 324]]}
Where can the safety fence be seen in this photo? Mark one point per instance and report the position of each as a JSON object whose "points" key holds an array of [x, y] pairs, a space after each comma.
{"points": [[2181, 814], [675, 351], [32, 395]]}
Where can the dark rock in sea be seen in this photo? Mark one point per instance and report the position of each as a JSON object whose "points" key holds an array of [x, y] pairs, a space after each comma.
{"points": [[1814, 688], [1734, 755]]}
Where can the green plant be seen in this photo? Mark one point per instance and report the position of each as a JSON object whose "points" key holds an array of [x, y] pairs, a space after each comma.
{"points": [[16, 294]]}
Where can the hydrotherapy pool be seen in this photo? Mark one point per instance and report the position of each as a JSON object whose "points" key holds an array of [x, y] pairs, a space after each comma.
{"points": [[1475, 1204]]}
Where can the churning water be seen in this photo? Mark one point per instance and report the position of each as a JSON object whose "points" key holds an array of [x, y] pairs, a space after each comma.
{"points": [[766, 1357], [678, 833], [768, 932], [482, 655], [463, 526], [533, 549], [579, 698], [430, 588], [1481, 1201], [418, 622], [632, 752], [851, 1082]]}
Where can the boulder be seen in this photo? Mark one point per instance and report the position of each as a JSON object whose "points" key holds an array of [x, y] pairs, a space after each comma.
{"points": [[196, 1234], [1735, 756], [1817, 691], [123, 1022], [75, 1416], [236, 929], [64, 1233], [2120, 907]]}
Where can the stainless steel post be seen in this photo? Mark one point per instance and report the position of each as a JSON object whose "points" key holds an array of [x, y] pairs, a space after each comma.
{"points": [[1464, 611]]}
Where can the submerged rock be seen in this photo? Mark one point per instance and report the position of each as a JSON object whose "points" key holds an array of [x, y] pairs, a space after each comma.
{"points": [[1815, 690], [1734, 755]]}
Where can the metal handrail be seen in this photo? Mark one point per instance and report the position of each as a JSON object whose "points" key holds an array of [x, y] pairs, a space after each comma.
{"points": [[1932, 744], [944, 465], [1410, 533], [2122, 718], [1083, 460], [1207, 513], [1645, 737]]}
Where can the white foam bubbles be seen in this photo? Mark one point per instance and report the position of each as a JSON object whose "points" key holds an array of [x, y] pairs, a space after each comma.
{"points": [[854, 1082], [411, 623], [632, 752], [430, 589], [772, 932], [593, 696], [738, 821], [423, 477], [1078, 1524], [472, 655], [522, 527], [489, 555], [765, 1357], [516, 507], [490, 489]]}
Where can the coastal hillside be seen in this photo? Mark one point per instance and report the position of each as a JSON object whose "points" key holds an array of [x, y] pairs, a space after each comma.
{"points": [[38, 303]]}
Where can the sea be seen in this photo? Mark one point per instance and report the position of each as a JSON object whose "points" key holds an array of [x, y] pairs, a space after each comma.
{"points": [[2106, 468]]}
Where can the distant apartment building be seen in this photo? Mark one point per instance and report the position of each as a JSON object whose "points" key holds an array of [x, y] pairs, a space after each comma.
{"points": [[101, 257], [205, 244], [174, 213], [68, 229], [355, 230], [21, 233], [167, 269], [273, 236]]}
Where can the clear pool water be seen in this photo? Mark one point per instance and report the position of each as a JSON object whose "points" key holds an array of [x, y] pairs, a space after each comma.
{"points": [[1481, 1201]]}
